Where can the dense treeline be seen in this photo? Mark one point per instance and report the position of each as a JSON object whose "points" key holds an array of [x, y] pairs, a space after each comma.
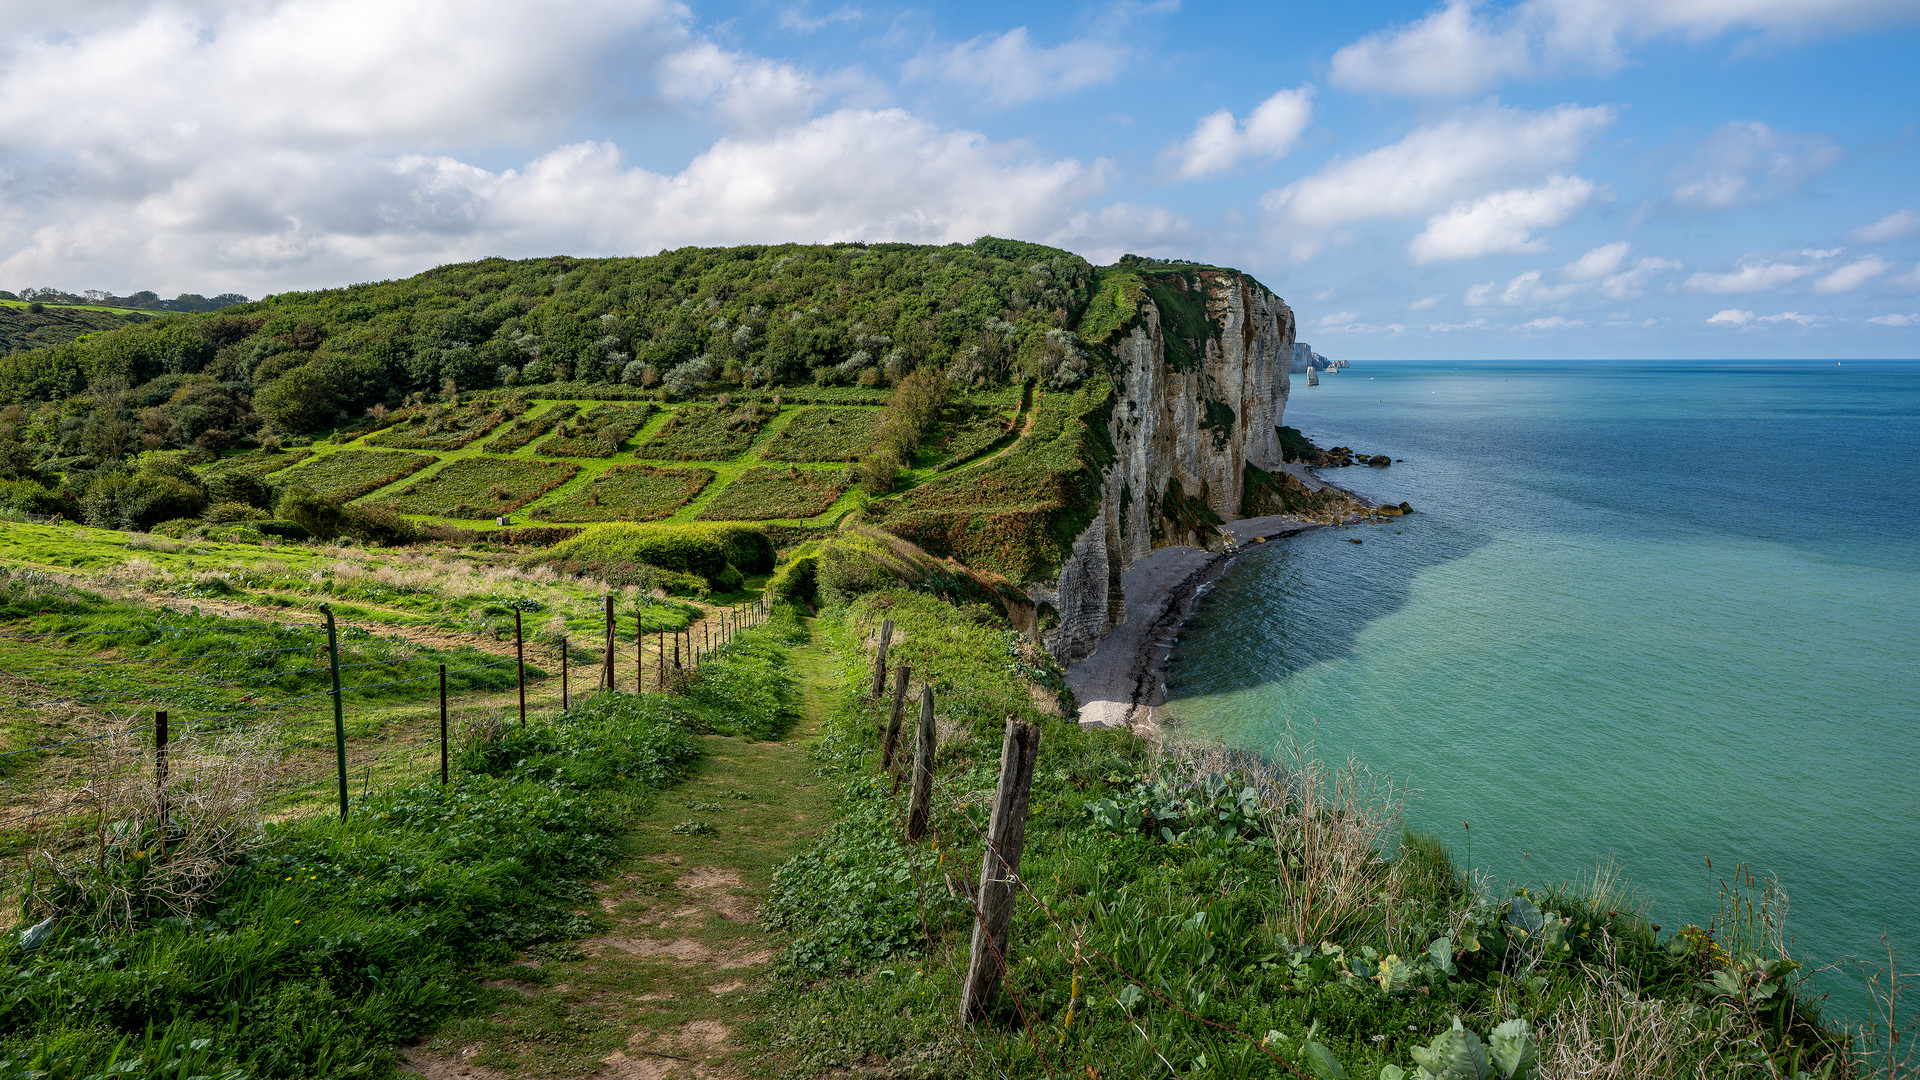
{"points": [[672, 325]]}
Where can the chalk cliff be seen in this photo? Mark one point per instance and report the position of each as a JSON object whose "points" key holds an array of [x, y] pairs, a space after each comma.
{"points": [[1199, 390]]}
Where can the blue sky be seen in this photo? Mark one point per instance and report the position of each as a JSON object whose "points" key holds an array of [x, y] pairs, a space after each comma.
{"points": [[1582, 178]]}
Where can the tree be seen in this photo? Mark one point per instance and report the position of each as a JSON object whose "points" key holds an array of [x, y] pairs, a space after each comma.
{"points": [[301, 400]]}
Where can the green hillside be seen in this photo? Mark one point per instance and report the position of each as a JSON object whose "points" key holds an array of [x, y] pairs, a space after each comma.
{"points": [[22, 328]]}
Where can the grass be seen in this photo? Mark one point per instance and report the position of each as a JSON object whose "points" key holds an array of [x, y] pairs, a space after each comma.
{"points": [[439, 427], [597, 433], [704, 433], [529, 426], [1233, 914], [480, 487], [966, 432], [349, 474], [627, 493], [825, 435], [763, 494], [51, 306]]}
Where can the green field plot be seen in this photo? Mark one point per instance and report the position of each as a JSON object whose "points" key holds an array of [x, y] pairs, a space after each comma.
{"points": [[825, 435], [254, 463], [765, 494], [440, 427], [628, 493], [350, 474], [597, 432], [528, 427], [707, 433], [481, 487], [965, 431]]}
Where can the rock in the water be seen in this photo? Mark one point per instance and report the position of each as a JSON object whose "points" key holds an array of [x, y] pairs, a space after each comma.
{"points": [[1379, 461], [1388, 511], [1406, 508], [1353, 540]]}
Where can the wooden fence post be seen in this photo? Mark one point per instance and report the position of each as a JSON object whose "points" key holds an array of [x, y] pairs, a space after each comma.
{"points": [[443, 723], [606, 676], [1000, 870], [520, 665], [922, 810], [900, 676], [160, 770], [880, 661], [639, 655], [565, 702]]}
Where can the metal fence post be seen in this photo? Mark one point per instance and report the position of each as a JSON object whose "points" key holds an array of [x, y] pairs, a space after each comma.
{"points": [[1000, 870], [443, 723], [339, 715]]}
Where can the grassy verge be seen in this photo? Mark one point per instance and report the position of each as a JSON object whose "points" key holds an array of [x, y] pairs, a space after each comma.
{"points": [[330, 944], [1197, 913]]}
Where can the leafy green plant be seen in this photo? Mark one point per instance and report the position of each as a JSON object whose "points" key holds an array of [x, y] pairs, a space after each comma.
{"points": [[706, 433], [529, 426], [599, 432], [480, 487], [348, 474], [627, 493], [763, 494], [825, 435], [1458, 1054]]}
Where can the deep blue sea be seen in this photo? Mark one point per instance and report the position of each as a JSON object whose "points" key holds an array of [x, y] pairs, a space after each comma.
{"points": [[1656, 611]]}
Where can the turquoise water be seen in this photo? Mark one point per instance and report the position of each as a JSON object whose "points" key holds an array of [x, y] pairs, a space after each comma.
{"points": [[1663, 612]]}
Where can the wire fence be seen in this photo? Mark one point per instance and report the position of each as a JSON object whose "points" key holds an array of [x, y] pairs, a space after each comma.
{"points": [[319, 711]]}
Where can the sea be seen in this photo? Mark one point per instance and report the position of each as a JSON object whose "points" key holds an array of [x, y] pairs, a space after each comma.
{"points": [[1659, 614]]}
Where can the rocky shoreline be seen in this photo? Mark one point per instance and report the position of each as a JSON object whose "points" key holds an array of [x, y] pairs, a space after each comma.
{"points": [[1123, 683]]}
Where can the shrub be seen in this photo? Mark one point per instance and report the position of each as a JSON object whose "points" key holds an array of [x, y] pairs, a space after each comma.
{"points": [[29, 497], [235, 486], [598, 433], [706, 433], [763, 494], [120, 501], [703, 550], [628, 493], [349, 474], [222, 513], [825, 435], [305, 508], [440, 427], [481, 487], [526, 429], [378, 525]]}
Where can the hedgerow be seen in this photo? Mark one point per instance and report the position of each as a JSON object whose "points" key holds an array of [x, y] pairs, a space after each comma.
{"points": [[764, 494], [628, 493], [481, 487], [717, 553], [349, 474]]}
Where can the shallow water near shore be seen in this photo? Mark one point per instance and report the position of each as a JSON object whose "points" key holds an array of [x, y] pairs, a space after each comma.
{"points": [[1659, 611]]}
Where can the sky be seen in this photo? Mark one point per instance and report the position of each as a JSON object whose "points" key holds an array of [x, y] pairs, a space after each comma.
{"points": [[1546, 178]]}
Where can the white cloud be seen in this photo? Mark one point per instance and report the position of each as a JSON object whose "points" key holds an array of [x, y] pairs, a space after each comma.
{"points": [[1909, 280], [164, 80], [1748, 162], [1464, 48], [1452, 51], [1500, 223], [1853, 275], [1597, 263], [1751, 277], [755, 93], [291, 220], [1742, 320], [1551, 322], [1895, 226], [1011, 69], [1524, 290], [1441, 163], [1895, 320], [1628, 284], [1105, 234], [1219, 141], [1425, 303], [1338, 318], [797, 18], [1796, 318], [1730, 317]]}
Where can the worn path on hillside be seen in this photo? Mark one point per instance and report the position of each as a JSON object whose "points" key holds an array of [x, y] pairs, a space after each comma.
{"points": [[682, 957]]}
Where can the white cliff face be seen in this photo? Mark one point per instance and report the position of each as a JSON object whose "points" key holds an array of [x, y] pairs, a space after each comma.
{"points": [[1180, 435]]}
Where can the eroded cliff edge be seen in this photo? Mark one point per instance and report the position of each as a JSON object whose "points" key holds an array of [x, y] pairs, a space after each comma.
{"points": [[1199, 383]]}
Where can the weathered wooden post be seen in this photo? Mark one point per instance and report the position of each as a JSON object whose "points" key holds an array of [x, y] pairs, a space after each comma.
{"points": [[1000, 870], [443, 724], [900, 676], [606, 672], [520, 665], [639, 655], [880, 661], [922, 809], [160, 771], [565, 702]]}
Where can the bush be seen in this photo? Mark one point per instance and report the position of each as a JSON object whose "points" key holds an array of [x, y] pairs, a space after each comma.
{"points": [[240, 487], [317, 516], [378, 525], [708, 551], [222, 513], [628, 493], [764, 494], [29, 497], [120, 501], [481, 487], [286, 530], [349, 474]]}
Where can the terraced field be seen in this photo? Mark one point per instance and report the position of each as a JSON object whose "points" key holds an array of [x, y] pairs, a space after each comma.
{"points": [[574, 462]]}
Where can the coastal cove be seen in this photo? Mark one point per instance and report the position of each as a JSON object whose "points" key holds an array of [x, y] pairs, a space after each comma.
{"points": [[1655, 611]]}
